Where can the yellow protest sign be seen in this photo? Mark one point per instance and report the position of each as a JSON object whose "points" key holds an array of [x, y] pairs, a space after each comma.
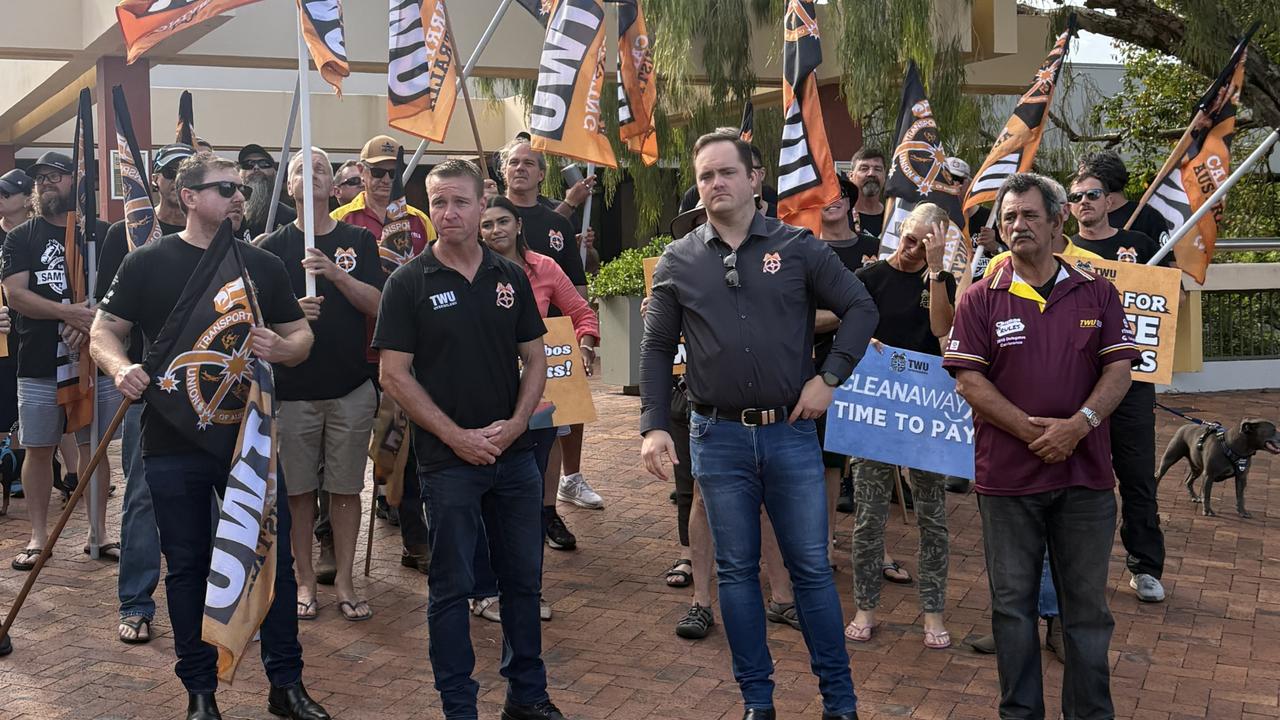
{"points": [[1150, 297], [567, 398], [677, 363]]}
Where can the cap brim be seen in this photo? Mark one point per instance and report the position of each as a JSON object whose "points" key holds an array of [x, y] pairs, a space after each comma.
{"points": [[379, 158], [59, 168], [10, 188], [685, 222]]}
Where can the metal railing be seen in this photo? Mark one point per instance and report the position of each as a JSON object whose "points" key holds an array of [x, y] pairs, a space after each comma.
{"points": [[1241, 324], [1247, 244]]}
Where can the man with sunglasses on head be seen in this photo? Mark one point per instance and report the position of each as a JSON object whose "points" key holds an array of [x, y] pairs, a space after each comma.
{"points": [[258, 172], [743, 290], [183, 477], [37, 286], [139, 542]]}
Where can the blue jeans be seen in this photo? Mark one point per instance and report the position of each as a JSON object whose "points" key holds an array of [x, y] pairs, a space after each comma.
{"points": [[182, 487], [506, 499], [780, 465], [486, 581], [1048, 593], [1078, 524], [139, 539]]}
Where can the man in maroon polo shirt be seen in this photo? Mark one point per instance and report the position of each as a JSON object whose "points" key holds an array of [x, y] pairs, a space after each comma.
{"points": [[1042, 353]]}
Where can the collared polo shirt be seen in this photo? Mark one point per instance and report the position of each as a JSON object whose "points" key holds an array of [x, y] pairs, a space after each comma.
{"points": [[1044, 355], [464, 338]]}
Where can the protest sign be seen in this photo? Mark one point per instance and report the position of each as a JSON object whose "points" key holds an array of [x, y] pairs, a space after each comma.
{"points": [[901, 407], [1149, 295], [677, 363], [567, 398]]}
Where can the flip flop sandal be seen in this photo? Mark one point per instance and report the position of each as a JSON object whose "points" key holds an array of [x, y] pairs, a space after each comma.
{"points": [[26, 559], [350, 610], [859, 633], [894, 567], [937, 641], [685, 577], [307, 610], [105, 552], [135, 623]]}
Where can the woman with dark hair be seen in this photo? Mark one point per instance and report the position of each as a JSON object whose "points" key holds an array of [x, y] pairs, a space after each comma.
{"points": [[501, 231]]}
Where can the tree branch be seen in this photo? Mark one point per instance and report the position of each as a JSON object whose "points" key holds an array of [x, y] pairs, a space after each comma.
{"points": [[1111, 139]]}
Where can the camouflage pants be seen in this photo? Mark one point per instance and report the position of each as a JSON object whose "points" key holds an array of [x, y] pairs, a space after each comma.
{"points": [[872, 489]]}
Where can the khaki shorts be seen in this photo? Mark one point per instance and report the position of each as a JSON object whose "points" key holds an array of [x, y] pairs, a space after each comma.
{"points": [[333, 434]]}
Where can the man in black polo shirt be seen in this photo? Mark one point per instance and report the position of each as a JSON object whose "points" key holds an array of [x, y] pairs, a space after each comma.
{"points": [[1133, 424], [454, 325], [743, 289]]}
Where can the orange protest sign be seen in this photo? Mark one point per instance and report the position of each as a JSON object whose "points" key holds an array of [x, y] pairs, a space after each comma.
{"points": [[567, 398], [1150, 297], [677, 363]]}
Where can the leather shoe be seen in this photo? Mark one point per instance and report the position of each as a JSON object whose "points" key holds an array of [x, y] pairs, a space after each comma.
{"points": [[202, 706], [294, 703], [545, 710], [840, 716], [759, 714]]}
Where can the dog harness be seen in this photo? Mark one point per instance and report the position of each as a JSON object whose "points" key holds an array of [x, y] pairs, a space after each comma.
{"points": [[1241, 462]]}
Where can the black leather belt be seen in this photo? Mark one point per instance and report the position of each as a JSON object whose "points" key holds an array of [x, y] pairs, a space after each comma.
{"points": [[750, 417]]}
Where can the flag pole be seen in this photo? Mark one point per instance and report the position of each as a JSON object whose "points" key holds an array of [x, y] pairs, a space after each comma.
{"points": [[980, 252], [373, 516], [485, 37], [95, 532], [1216, 197], [308, 201], [98, 455], [284, 159], [466, 100]]}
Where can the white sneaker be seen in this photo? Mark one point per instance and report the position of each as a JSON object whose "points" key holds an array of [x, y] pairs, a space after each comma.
{"points": [[574, 489], [1148, 588], [544, 610]]}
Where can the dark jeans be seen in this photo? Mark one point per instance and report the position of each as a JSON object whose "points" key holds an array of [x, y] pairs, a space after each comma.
{"points": [[780, 465], [1133, 457], [139, 539], [506, 499], [1079, 526], [182, 487], [684, 470], [413, 516], [486, 580]]}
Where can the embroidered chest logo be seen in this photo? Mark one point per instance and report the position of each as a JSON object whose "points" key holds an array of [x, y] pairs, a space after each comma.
{"points": [[1127, 254], [345, 259], [1091, 324], [55, 276], [1009, 327], [218, 367], [506, 295], [772, 263], [440, 301], [556, 240]]}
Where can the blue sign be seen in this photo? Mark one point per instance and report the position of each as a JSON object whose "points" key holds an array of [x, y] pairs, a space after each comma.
{"points": [[901, 407]]}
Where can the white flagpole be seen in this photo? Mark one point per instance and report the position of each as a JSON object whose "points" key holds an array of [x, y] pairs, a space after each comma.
{"points": [[1216, 197], [308, 201], [281, 175], [485, 37]]}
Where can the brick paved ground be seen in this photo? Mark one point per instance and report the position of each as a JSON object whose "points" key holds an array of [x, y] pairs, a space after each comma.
{"points": [[1211, 650]]}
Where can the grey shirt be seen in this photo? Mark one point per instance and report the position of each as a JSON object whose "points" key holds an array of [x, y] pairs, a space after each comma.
{"points": [[749, 346]]}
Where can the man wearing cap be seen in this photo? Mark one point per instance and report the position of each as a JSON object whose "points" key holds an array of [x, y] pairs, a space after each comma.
{"points": [[15, 200], [35, 280], [258, 171], [139, 540], [982, 230]]}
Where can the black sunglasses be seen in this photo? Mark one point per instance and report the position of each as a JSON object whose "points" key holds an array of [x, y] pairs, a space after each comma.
{"points": [[259, 164], [731, 269], [352, 182], [378, 173], [169, 172], [226, 188], [1093, 194]]}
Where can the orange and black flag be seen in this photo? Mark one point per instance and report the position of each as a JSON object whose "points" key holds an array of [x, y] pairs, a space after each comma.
{"points": [[1015, 148], [566, 118], [322, 29], [422, 69], [637, 83], [75, 370], [748, 126], [145, 23], [1198, 165], [186, 133], [140, 223], [806, 175]]}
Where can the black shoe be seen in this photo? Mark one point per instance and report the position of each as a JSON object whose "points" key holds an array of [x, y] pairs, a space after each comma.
{"points": [[545, 710], [957, 485], [558, 536], [759, 714], [673, 497], [696, 623], [417, 557], [6, 646], [202, 706], [845, 503], [294, 703], [382, 507], [393, 517], [1053, 639], [783, 613], [841, 716], [985, 644]]}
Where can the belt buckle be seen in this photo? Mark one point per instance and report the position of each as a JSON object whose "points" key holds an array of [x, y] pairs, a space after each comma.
{"points": [[742, 417]]}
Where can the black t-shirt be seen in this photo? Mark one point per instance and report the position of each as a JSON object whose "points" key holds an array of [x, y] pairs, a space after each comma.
{"points": [[1149, 221], [36, 247], [146, 289], [114, 248], [551, 234], [337, 364], [285, 214], [903, 301], [464, 338], [855, 253], [1124, 246], [872, 223]]}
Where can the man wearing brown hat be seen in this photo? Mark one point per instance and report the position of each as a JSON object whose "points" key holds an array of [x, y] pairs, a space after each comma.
{"points": [[258, 171]]}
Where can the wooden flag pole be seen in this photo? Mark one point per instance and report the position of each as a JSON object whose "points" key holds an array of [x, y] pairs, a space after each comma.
{"points": [[304, 105], [282, 177], [98, 455], [466, 100], [373, 515], [485, 37]]}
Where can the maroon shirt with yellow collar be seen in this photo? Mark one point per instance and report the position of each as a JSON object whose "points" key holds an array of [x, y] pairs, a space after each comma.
{"points": [[1045, 355]]}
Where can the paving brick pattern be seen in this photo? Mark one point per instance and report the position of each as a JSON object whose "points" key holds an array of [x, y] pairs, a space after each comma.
{"points": [[1211, 650]]}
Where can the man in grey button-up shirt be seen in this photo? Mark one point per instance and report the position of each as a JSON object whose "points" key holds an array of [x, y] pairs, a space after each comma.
{"points": [[743, 289]]}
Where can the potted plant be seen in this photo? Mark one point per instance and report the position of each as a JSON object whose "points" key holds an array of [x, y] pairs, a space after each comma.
{"points": [[618, 289]]}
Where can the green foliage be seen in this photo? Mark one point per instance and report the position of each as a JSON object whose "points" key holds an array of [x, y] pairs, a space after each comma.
{"points": [[624, 275]]}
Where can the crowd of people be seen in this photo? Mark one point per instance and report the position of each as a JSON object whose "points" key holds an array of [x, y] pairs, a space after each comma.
{"points": [[773, 318]]}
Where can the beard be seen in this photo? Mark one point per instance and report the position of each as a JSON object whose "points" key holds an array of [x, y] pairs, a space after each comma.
{"points": [[258, 206], [51, 205], [871, 187]]}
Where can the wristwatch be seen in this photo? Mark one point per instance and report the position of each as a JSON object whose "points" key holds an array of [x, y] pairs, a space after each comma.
{"points": [[831, 379], [1094, 418], [939, 276]]}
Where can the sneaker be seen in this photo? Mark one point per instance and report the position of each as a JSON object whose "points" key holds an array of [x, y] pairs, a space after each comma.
{"points": [[382, 507], [696, 623], [15, 489], [544, 710], [544, 609], [486, 608], [845, 503], [574, 489], [1148, 588], [558, 536]]}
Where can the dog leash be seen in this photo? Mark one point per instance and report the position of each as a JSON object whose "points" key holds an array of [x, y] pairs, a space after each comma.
{"points": [[1184, 416], [1241, 462]]}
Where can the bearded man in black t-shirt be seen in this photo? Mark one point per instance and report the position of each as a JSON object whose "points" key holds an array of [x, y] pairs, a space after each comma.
{"points": [[182, 476]]}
